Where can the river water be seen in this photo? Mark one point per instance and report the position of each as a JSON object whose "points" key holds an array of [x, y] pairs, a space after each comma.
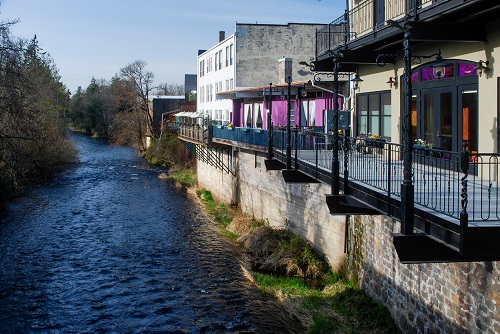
{"points": [[108, 247]]}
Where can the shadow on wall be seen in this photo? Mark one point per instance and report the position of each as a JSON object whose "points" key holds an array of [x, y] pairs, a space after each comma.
{"points": [[424, 298]]}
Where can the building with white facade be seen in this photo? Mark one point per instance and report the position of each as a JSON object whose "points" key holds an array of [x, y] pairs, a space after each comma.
{"points": [[249, 58]]}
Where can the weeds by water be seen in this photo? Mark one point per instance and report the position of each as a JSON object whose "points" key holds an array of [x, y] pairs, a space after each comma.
{"points": [[287, 267], [186, 177]]}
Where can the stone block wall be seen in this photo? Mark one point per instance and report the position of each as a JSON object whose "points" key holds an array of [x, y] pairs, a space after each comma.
{"points": [[423, 298]]}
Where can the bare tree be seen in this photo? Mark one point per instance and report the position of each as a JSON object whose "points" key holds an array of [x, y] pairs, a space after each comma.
{"points": [[169, 89], [142, 81]]}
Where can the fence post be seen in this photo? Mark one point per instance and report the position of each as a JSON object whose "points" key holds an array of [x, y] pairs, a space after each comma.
{"points": [[464, 216]]}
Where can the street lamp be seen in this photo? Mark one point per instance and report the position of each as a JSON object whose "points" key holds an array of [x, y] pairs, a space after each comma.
{"points": [[407, 188]]}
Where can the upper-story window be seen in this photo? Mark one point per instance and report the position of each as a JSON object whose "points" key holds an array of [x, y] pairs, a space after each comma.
{"points": [[219, 63], [231, 54], [227, 56], [209, 64], [216, 61], [202, 68]]}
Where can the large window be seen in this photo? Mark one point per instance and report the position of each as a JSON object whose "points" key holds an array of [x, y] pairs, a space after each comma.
{"points": [[374, 114]]}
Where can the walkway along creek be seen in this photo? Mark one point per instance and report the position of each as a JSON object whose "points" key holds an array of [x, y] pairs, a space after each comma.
{"points": [[110, 248]]}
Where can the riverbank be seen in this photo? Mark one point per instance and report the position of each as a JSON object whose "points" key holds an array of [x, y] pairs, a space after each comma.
{"points": [[284, 266]]}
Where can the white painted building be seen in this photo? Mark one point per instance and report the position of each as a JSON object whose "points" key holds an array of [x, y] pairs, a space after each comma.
{"points": [[249, 58], [216, 71]]}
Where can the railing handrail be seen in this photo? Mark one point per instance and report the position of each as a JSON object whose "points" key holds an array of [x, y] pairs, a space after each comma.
{"points": [[437, 174]]}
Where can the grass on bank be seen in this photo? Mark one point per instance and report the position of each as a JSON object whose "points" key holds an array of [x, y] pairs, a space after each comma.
{"points": [[287, 267]]}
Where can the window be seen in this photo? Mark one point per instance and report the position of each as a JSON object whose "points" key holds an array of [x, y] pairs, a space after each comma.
{"points": [[227, 84], [247, 110], [227, 56], [308, 112], [231, 84], [220, 60], [292, 113], [257, 109], [445, 111], [216, 60], [202, 94], [231, 54], [373, 112], [202, 68], [209, 64]]}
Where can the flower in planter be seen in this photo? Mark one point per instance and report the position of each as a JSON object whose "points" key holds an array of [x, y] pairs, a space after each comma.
{"points": [[419, 141], [230, 125], [374, 136]]}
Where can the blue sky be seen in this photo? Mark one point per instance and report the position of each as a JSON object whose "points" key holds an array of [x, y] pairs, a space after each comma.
{"points": [[95, 38]]}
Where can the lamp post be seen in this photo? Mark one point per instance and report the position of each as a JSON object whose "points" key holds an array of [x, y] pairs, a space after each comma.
{"points": [[288, 132], [269, 124], [335, 141], [407, 187]]}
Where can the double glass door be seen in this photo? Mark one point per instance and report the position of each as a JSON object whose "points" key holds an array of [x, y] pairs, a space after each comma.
{"points": [[445, 117]]}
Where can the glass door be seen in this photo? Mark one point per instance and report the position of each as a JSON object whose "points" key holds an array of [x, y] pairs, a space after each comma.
{"points": [[467, 104], [439, 123]]}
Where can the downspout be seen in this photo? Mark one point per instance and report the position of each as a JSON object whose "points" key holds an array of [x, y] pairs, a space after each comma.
{"points": [[331, 91]]}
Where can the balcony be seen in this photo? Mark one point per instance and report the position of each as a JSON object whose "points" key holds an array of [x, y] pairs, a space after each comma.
{"points": [[369, 19], [456, 206]]}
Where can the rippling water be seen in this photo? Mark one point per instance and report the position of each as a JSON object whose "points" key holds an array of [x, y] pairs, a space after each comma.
{"points": [[110, 248]]}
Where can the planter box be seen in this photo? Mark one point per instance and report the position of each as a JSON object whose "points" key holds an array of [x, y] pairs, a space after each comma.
{"points": [[376, 143], [230, 128]]}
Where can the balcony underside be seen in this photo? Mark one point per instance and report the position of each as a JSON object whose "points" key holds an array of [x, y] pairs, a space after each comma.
{"points": [[423, 248], [349, 205], [296, 176], [273, 164]]}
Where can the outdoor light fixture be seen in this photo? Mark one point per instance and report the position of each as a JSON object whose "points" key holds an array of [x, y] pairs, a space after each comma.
{"points": [[303, 91], [439, 67], [391, 82], [356, 80], [480, 68], [283, 96]]}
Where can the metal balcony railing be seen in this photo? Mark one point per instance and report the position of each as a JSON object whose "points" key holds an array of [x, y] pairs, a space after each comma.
{"points": [[361, 20], [437, 174]]}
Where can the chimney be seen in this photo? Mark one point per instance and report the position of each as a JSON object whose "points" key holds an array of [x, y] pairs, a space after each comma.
{"points": [[222, 36], [284, 69]]}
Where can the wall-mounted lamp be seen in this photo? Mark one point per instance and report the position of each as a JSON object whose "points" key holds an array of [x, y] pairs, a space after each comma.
{"points": [[356, 80], [439, 66], [303, 91], [283, 96], [392, 82], [480, 68]]}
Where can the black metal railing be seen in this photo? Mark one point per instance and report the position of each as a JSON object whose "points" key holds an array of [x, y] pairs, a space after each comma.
{"points": [[361, 19], [332, 35], [437, 174]]}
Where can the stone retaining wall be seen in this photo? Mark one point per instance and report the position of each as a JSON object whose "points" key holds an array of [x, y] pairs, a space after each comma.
{"points": [[423, 298]]}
